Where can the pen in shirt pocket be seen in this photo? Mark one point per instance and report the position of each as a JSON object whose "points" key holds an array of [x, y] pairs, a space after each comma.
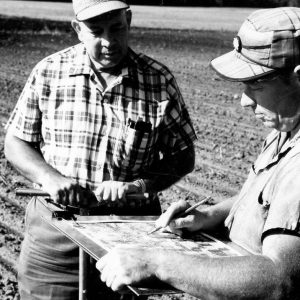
{"points": [[140, 125]]}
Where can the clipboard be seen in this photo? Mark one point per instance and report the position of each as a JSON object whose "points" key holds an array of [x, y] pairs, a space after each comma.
{"points": [[111, 230], [92, 248], [96, 235]]}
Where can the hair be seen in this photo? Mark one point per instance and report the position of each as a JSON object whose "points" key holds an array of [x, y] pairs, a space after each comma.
{"points": [[286, 75]]}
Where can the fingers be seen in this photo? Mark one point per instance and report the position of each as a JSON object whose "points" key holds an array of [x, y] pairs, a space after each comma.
{"points": [[111, 272], [175, 208], [185, 222], [111, 191], [174, 230], [66, 191], [125, 266], [102, 262], [75, 195]]}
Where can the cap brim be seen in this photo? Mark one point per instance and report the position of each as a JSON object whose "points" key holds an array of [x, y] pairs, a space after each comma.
{"points": [[235, 67], [100, 9]]}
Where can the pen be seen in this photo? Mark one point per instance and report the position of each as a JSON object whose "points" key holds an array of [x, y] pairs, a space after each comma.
{"points": [[184, 213]]}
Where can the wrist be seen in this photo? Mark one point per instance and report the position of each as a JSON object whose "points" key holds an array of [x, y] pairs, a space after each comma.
{"points": [[49, 178], [163, 264], [141, 186]]}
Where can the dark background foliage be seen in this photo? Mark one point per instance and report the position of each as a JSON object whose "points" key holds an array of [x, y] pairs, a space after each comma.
{"points": [[220, 3]]}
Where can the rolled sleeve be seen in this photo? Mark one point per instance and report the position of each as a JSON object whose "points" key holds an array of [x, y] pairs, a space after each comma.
{"points": [[284, 211], [25, 120]]}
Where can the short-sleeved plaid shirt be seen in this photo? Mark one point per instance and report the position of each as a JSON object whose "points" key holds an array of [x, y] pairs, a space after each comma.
{"points": [[94, 135]]}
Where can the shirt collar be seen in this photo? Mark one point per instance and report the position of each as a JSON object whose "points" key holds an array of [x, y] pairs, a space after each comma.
{"points": [[82, 64], [81, 61], [265, 160], [274, 136]]}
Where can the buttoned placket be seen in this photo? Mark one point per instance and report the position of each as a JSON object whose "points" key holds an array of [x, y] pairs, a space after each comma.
{"points": [[109, 113]]}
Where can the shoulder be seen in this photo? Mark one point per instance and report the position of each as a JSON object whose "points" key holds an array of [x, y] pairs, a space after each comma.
{"points": [[151, 65], [59, 59]]}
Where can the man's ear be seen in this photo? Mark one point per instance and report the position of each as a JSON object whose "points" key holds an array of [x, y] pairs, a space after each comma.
{"points": [[296, 75], [297, 70], [128, 17], [76, 26]]}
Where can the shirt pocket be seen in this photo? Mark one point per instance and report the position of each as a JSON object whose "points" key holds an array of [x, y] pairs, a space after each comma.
{"points": [[134, 149]]}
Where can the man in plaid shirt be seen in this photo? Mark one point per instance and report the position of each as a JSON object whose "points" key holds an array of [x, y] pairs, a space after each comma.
{"points": [[95, 119]]}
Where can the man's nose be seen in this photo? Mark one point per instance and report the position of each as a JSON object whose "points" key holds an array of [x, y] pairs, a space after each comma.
{"points": [[106, 38], [246, 101]]}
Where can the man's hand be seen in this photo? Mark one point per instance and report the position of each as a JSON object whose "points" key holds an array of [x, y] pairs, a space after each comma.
{"points": [[27, 159], [115, 190], [193, 222], [203, 218], [126, 266], [67, 191]]}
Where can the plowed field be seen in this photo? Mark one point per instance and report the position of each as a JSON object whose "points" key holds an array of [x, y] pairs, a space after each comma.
{"points": [[229, 138]]}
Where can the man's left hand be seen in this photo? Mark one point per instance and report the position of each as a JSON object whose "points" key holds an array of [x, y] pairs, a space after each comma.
{"points": [[114, 190]]}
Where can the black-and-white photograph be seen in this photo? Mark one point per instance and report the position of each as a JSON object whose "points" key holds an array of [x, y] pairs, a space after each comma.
{"points": [[149, 149]]}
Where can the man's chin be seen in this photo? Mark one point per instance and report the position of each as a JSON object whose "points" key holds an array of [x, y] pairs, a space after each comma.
{"points": [[269, 124], [106, 65]]}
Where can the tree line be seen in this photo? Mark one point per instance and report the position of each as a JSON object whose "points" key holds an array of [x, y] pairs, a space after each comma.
{"points": [[220, 3], [205, 3]]}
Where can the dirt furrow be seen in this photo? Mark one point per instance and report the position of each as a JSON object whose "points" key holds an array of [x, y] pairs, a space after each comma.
{"points": [[9, 247], [7, 263], [208, 166], [12, 217]]}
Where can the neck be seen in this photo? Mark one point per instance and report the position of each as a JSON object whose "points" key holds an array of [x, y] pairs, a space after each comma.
{"points": [[107, 76], [295, 130], [113, 70]]}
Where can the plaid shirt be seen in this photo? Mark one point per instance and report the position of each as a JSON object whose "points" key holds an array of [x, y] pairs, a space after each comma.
{"points": [[94, 135]]}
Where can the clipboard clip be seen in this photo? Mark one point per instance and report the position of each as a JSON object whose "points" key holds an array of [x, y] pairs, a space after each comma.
{"points": [[64, 214]]}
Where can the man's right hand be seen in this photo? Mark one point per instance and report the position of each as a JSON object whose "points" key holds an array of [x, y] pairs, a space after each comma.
{"points": [[27, 159], [67, 191], [203, 218], [193, 222]]}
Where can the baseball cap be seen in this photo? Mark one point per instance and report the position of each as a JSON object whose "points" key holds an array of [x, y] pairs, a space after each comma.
{"points": [[268, 40], [87, 9]]}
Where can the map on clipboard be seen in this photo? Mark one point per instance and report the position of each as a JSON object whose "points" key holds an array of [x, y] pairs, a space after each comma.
{"points": [[109, 235]]}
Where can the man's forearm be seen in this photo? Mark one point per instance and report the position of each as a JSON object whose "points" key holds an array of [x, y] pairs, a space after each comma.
{"points": [[215, 215], [169, 170], [160, 182], [26, 159], [247, 277]]}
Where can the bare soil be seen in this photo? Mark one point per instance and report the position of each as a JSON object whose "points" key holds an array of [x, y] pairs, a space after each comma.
{"points": [[229, 138]]}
